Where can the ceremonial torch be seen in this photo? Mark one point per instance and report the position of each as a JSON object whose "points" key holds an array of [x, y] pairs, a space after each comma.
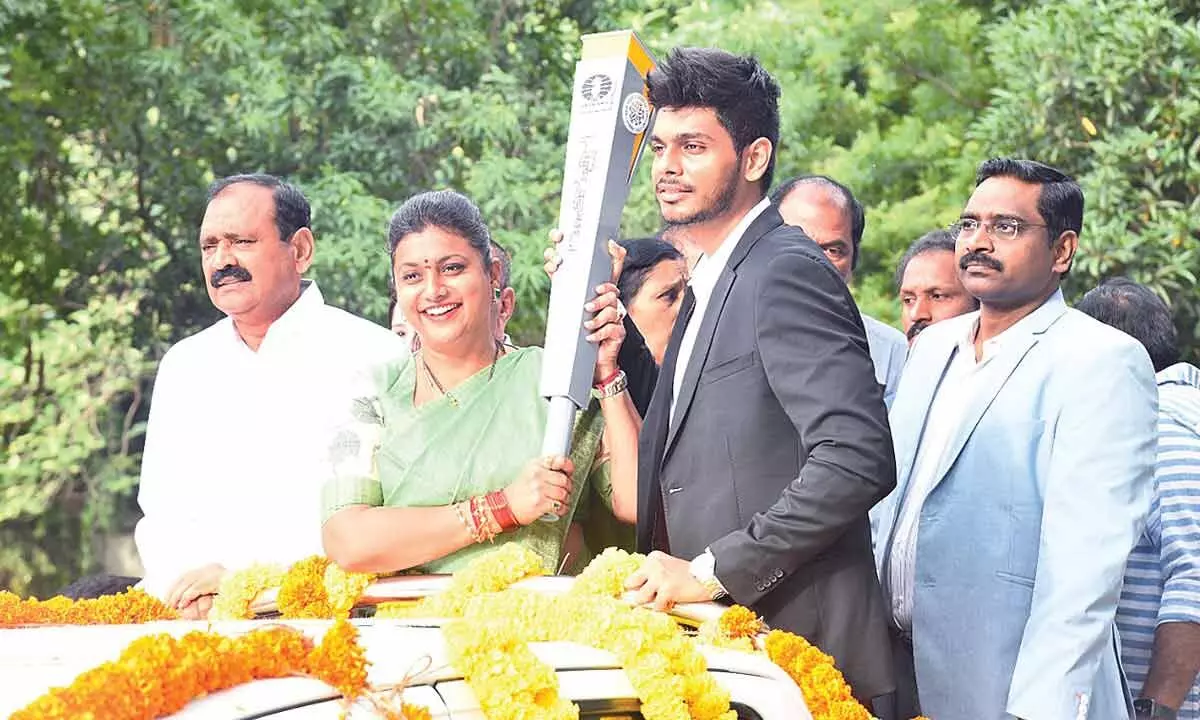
{"points": [[610, 115]]}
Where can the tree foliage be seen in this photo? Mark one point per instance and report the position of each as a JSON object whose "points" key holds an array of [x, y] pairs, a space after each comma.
{"points": [[115, 115]]}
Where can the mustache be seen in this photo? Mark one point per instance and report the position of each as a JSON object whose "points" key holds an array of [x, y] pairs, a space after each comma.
{"points": [[978, 258], [229, 271], [916, 328], [664, 185]]}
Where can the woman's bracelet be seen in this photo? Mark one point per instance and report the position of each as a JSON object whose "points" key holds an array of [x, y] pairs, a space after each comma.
{"points": [[613, 387], [462, 512], [599, 385], [482, 521], [497, 502]]}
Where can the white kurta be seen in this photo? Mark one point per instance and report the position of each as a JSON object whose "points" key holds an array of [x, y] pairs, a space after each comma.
{"points": [[236, 446]]}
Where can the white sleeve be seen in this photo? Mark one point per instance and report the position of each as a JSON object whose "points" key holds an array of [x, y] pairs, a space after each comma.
{"points": [[168, 537]]}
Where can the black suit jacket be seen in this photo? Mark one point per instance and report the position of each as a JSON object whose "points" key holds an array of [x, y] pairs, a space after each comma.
{"points": [[779, 447]]}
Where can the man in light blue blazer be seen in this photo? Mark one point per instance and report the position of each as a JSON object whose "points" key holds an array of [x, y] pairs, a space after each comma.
{"points": [[1025, 439]]}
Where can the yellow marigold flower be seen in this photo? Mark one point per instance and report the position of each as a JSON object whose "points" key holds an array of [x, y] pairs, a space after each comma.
{"points": [[491, 572], [344, 588], [605, 575], [239, 589]]}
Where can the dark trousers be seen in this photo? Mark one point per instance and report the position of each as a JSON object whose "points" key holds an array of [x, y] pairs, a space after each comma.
{"points": [[904, 704]]}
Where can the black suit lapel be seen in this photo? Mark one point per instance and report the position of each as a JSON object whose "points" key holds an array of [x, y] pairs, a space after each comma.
{"points": [[691, 375], [654, 431], [766, 221]]}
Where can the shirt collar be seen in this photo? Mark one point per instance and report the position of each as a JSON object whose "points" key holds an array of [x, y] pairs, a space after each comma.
{"points": [[706, 272], [1180, 373], [1179, 394], [293, 320], [1027, 326]]}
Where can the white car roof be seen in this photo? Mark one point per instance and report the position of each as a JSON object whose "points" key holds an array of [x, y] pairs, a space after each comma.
{"points": [[36, 659]]}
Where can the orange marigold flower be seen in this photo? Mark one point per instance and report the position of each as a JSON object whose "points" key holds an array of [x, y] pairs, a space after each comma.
{"points": [[825, 690], [302, 593], [408, 711], [128, 608], [315, 588], [339, 660], [739, 622], [158, 675]]}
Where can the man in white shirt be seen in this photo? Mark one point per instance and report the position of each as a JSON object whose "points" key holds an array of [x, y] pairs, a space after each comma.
{"points": [[830, 214], [766, 440], [243, 412]]}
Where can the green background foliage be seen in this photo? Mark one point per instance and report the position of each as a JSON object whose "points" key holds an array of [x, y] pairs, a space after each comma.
{"points": [[114, 116]]}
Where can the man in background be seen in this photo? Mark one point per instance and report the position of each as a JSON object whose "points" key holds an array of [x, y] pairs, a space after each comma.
{"points": [[830, 214], [927, 280], [1159, 612]]}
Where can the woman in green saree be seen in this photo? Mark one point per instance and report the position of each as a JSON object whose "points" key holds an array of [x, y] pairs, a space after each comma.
{"points": [[440, 458]]}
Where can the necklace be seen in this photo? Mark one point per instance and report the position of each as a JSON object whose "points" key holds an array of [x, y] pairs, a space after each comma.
{"points": [[432, 379]]}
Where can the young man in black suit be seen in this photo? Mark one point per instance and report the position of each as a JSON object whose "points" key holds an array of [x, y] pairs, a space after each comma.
{"points": [[766, 440]]}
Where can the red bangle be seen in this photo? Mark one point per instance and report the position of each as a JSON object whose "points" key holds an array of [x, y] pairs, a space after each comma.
{"points": [[600, 385], [497, 502]]}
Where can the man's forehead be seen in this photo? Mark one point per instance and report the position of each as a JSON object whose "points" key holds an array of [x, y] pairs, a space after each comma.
{"points": [[671, 121], [812, 204], [239, 207], [930, 268], [1004, 196]]}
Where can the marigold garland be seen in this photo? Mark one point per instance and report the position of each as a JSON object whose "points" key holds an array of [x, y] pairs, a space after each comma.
{"points": [[339, 660], [736, 629], [316, 588], [605, 575], [157, 675], [825, 690], [488, 642], [239, 588], [491, 572], [132, 607], [489, 645]]}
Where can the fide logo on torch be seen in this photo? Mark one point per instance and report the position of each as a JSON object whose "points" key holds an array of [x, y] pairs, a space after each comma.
{"points": [[596, 93], [635, 113]]}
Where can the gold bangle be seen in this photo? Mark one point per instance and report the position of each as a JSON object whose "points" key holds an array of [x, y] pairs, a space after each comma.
{"points": [[481, 520], [463, 517]]}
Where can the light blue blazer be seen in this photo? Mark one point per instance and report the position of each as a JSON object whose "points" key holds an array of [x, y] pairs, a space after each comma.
{"points": [[1041, 495]]}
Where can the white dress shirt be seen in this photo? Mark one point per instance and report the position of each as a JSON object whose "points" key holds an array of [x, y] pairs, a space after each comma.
{"points": [[237, 441], [950, 401], [704, 279]]}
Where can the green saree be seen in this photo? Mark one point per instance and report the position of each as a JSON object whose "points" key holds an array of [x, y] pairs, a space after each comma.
{"points": [[394, 454]]}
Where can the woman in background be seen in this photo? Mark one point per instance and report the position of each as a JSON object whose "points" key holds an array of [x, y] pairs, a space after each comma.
{"points": [[652, 284]]}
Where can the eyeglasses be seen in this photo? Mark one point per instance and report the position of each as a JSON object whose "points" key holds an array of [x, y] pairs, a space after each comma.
{"points": [[1001, 228]]}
